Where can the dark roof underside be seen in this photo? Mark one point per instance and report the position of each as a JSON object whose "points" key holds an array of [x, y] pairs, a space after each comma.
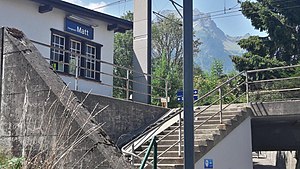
{"points": [[119, 23]]}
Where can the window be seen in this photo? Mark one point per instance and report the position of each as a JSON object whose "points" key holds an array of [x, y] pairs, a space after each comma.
{"points": [[58, 55], [90, 61], [75, 47], [87, 63]]}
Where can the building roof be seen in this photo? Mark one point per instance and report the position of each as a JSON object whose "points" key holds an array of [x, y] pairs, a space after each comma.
{"points": [[116, 24]]}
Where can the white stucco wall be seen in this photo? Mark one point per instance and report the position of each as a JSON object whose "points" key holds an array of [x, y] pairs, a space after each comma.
{"points": [[234, 151], [24, 15]]}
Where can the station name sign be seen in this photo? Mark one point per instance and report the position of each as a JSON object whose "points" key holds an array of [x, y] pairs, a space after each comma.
{"points": [[79, 29]]}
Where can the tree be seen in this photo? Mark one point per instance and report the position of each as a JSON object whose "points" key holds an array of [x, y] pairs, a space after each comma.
{"points": [[161, 72], [123, 54], [207, 81], [167, 55], [281, 21], [217, 68]]}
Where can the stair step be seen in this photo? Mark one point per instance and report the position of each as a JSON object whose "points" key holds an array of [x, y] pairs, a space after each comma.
{"points": [[174, 136], [213, 121], [213, 110], [164, 166], [204, 126], [197, 131], [217, 117], [164, 147], [206, 136], [216, 107], [171, 142], [173, 153], [164, 160]]}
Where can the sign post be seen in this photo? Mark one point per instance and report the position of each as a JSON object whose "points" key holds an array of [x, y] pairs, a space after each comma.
{"points": [[188, 104]]}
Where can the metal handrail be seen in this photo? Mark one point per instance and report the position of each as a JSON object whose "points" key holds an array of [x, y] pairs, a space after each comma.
{"points": [[278, 90], [270, 89], [219, 86], [104, 84], [174, 114], [78, 54], [273, 68], [153, 144], [177, 113], [127, 79], [212, 91], [219, 111], [272, 80], [222, 96], [159, 140]]}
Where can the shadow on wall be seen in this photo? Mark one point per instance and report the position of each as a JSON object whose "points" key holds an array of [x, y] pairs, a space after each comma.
{"points": [[259, 109], [264, 167], [298, 159], [281, 160]]}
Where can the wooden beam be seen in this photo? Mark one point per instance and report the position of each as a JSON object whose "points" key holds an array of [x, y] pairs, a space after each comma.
{"points": [[45, 8]]}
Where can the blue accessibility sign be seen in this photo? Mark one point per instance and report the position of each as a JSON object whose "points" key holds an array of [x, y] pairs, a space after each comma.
{"points": [[208, 163]]}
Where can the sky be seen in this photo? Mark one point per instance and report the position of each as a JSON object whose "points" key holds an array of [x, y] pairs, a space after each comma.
{"points": [[230, 21]]}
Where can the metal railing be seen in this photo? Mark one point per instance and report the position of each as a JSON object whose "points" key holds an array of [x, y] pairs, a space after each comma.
{"points": [[153, 145], [127, 80], [273, 84], [244, 88]]}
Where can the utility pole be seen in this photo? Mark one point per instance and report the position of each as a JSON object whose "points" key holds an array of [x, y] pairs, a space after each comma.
{"points": [[188, 85]]}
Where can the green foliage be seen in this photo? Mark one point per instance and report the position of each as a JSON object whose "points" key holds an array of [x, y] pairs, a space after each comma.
{"points": [[123, 54], [163, 71], [281, 47], [167, 39], [281, 21], [167, 57], [216, 69], [206, 82], [8, 162]]}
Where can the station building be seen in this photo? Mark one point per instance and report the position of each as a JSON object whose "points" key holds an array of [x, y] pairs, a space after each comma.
{"points": [[81, 40]]}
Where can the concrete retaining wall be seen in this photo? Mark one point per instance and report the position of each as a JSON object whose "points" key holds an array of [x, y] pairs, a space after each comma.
{"points": [[123, 119], [276, 108], [42, 119]]}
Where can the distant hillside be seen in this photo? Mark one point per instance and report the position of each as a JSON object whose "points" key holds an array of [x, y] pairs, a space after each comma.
{"points": [[216, 44]]}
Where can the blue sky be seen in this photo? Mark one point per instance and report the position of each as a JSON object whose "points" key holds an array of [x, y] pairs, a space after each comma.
{"points": [[232, 22]]}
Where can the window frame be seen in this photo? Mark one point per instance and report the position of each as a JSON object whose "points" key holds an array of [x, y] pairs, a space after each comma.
{"points": [[82, 61]]}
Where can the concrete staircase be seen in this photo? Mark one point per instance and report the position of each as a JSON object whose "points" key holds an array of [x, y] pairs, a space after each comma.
{"points": [[209, 132]]}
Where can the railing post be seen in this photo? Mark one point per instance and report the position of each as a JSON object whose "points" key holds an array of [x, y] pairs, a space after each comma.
{"points": [[155, 153], [76, 73], [132, 157], [166, 91], [247, 88], [221, 106], [179, 136], [127, 84]]}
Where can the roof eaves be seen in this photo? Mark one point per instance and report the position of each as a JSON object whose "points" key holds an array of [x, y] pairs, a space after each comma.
{"points": [[81, 11]]}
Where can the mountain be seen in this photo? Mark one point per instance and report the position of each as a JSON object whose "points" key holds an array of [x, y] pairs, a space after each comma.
{"points": [[215, 43]]}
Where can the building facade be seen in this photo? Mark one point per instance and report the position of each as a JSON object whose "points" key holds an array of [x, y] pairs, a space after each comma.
{"points": [[81, 39]]}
